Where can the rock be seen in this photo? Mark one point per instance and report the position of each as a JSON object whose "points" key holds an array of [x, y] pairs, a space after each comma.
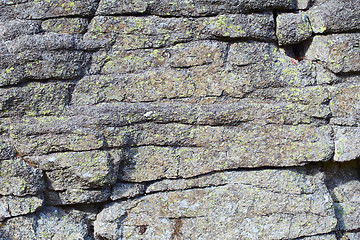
{"points": [[34, 99], [50, 223], [6, 151], [321, 237], [214, 213], [153, 32], [77, 196], [65, 25], [126, 190], [344, 104], [15, 28], [339, 52], [62, 65], [14, 206], [191, 8], [335, 16], [351, 235], [292, 28], [35, 9], [247, 146], [19, 178], [91, 169], [343, 182], [346, 143]]}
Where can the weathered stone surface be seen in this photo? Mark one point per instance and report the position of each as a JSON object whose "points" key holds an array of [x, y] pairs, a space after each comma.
{"points": [[15, 28], [77, 196], [343, 182], [43, 135], [50, 223], [91, 169], [335, 16], [351, 235], [14, 206], [147, 32], [344, 104], [59, 65], [127, 190], [339, 52], [189, 8], [43, 9], [18, 178], [6, 151], [34, 99], [320, 237], [218, 148], [179, 119], [346, 143], [65, 25], [219, 212], [292, 28]]}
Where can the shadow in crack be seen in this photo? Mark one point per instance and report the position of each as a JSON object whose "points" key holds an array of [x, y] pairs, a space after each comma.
{"points": [[343, 181]]}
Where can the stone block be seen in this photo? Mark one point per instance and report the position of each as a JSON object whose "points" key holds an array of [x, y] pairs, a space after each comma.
{"points": [[339, 52], [219, 212], [292, 28], [335, 16]]}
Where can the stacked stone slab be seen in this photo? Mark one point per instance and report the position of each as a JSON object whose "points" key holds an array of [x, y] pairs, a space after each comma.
{"points": [[198, 119]]}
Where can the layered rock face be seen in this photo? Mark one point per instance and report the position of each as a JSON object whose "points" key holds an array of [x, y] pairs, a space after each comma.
{"points": [[196, 119]]}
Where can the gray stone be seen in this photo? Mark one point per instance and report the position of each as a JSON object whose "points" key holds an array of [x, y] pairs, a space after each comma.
{"points": [[65, 25], [339, 52], [14, 206], [292, 28], [219, 212], [50, 223], [320, 237], [127, 190], [147, 32], [335, 16], [346, 143], [343, 181], [247, 146], [344, 105], [77, 196], [15, 28], [91, 169], [34, 99], [34, 9], [351, 235], [6, 151], [19, 178], [190, 8]]}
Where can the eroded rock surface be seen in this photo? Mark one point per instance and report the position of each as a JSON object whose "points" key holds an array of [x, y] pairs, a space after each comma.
{"points": [[198, 119]]}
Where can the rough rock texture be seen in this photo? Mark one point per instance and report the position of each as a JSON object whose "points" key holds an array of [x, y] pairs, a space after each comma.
{"points": [[197, 119]]}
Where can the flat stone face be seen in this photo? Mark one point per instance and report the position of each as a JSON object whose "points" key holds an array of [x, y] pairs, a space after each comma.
{"points": [[15, 206], [292, 28], [247, 146], [335, 16], [339, 52], [344, 104], [189, 8], [343, 182], [346, 147], [49, 223], [89, 169], [213, 212], [19, 178], [42, 9]]}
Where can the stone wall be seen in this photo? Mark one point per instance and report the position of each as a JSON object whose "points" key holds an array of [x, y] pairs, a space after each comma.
{"points": [[179, 119]]}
